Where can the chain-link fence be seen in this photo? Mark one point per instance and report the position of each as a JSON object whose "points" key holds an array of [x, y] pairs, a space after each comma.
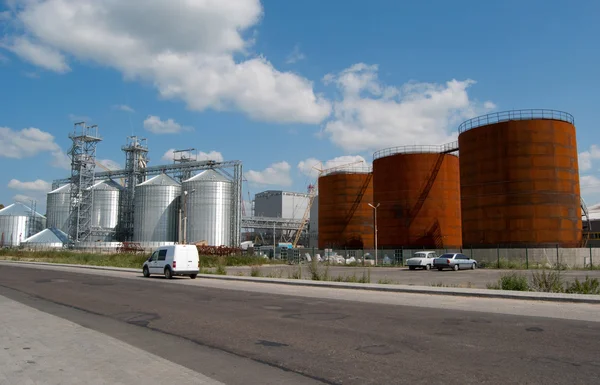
{"points": [[509, 258]]}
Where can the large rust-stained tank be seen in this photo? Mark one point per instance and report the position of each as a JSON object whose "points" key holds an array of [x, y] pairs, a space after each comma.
{"points": [[520, 180], [418, 190], [345, 218]]}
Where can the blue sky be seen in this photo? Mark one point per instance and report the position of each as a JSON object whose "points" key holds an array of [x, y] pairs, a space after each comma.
{"points": [[282, 84]]}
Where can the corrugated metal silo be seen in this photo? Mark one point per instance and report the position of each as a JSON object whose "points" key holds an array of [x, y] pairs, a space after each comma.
{"points": [[16, 226], [209, 208], [520, 180], [105, 209], [345, 218], [418, 190], [58, 203], [156, 210]]}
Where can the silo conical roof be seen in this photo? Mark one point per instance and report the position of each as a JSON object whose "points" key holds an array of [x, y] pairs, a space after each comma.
{"points": [[160, 180], [64, 189], [18, 209], [109, 185], [208, 175]]}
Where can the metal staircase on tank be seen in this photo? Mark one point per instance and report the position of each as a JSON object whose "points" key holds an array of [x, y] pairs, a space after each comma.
{"points": [[425, 191], [356, 203], [587, 224], [436, 235]]}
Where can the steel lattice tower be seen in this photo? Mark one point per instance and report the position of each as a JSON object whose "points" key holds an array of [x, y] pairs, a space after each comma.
{"points": [[136, 160], [83, 164]]}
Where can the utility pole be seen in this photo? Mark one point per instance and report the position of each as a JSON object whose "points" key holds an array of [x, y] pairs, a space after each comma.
{"points": [[375, 227]]}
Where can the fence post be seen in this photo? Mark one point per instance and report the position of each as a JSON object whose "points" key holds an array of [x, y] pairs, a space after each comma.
{"points": [[557, 259], [471, 251], [498, 255], [526, 258], [591, 261]]}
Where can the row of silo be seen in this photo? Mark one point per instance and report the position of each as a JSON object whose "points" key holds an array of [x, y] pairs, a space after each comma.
{"points": [[208, 198], [515, 183], [17, 223]]}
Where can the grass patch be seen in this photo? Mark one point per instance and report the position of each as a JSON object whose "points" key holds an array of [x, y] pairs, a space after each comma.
{"points": [[513, 281], [277, 273], [364, 278], [318, 272], [547, 281], [76, 258], [386, 281], [295, 273], [221, 270], [589, 286], [255, 271]]}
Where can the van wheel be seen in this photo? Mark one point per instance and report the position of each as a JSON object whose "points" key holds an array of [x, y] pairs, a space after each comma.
{"points": [[168, 273], [193, 276], [146, 272]]}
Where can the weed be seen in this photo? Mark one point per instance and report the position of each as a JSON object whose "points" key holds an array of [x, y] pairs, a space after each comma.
{"points": [[318, 272], [295, 273], [589, 286], [513, 281], [548, 282], [386, 281], [221, 270], [277, 273], [365, 278], [255, 271], [492, 286], [239, 274]]}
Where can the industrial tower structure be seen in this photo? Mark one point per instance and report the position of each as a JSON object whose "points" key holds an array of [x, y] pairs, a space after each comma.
{"points": [[136, 161], [83, 163], [184, 156]]}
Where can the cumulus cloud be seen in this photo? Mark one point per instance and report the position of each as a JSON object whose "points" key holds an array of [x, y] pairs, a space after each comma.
{"points": [[25, 199], [369, 115], [156, 125], [36, 185], [277, 174], [311, 166], [187, 49], [169, 156], [25, 143], [295, 56], [123, 107], [61, 160], [586, 158]]}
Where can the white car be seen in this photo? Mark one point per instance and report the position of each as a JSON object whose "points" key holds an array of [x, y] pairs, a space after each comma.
{"points": [[422, 260], [173, 260]]}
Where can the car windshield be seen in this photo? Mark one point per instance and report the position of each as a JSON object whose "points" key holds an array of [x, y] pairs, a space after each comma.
{"points": [[447, 256], [420, 255]]}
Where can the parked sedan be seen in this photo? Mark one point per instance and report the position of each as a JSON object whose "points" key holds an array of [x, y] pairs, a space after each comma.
{"points": [[454, 261]]}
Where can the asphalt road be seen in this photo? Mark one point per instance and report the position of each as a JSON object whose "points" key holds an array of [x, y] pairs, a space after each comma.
{"points": [[251, 337], [401, 275]]}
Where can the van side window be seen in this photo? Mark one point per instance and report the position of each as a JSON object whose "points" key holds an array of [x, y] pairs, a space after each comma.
{"points": [[162, 254], [154, 256]]}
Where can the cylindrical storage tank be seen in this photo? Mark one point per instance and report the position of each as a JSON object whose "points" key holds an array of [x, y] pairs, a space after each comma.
{"points": [[520, 180], [16, 226], [208, 200], [417, 189], [345, 220], [156, 210], [105, 209], [58, 203]]}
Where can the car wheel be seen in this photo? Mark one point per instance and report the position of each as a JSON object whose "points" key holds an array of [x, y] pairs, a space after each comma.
{"points": [[411, 267], [168, 273], [455, 267], [427, 267], [440, 268], [146, 272], [474, 266], [193, 276]]}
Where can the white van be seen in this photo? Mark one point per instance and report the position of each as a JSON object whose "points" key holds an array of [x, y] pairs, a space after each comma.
{"points": [[173, 260]]}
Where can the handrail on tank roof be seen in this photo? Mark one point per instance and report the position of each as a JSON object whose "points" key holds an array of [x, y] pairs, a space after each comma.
{"points": [[505, 116], [348, 170], [417, 149]]}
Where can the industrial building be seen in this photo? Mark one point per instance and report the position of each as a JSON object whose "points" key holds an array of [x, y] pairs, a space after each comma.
{"points": [[280, 204], [18, 222]]}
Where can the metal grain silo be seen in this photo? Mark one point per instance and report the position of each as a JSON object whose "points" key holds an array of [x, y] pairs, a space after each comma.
{"points": [[209, 199], [58, 203], [105, 210], [345, 219], [17, 223], [520, 180], [156, 210], [418, 192]]}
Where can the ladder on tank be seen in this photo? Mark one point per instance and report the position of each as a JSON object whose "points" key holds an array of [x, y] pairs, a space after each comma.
{"points": [[356, 203], [426, 189]]}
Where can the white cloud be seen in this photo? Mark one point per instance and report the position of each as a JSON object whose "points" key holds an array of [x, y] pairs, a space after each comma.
{"points": [[295, 56], [370, 115], [277, 174], [36, 185], [123, 107], [61, 160], [25, 143], [186, 49], [586, 158], [211, 155], [156, 125], [311, 166], [110, 164], [25, 199], [40, 55]]}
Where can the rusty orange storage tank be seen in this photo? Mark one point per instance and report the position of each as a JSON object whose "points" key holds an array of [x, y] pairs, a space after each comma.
{"points": [[520, 180], [418, 190], [345, 219]]}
